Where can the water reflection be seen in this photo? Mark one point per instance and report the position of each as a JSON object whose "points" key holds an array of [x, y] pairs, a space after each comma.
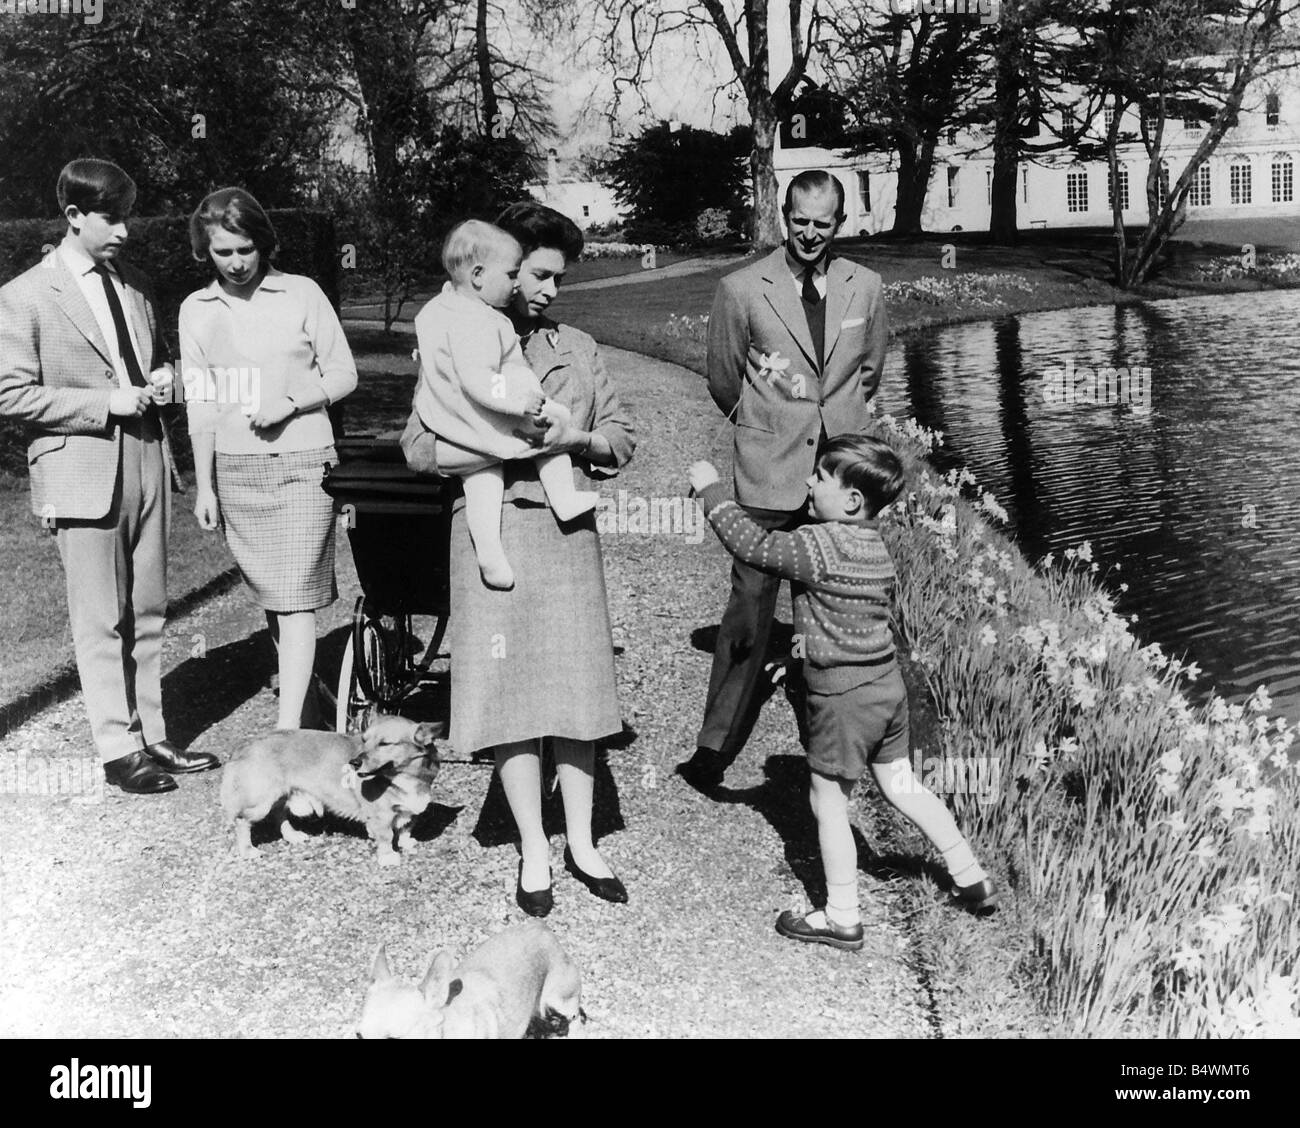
{"points": [[1188, 483]]}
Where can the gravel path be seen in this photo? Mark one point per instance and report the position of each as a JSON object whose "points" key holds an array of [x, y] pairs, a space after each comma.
{"points": [[126, 916]]}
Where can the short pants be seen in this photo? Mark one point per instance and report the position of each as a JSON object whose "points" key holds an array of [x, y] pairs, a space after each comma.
{"points": [[863, 725]]}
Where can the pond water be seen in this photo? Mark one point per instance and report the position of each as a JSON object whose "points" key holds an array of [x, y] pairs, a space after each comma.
{"points": [[1182, 467]]}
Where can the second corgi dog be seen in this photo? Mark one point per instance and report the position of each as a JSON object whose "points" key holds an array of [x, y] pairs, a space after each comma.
{"points": [[516, 980], [382, 778]]}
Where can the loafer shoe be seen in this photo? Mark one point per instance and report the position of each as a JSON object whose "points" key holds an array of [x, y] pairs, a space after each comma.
{"points": [[538, 903], [177, 761], [980, 898], [138, 774], [794, 927], [606, 888]]}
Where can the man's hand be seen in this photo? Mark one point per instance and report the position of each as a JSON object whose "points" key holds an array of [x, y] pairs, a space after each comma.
{"points": [[129, 403], [206, 509], [702, 475], [273, 414]]}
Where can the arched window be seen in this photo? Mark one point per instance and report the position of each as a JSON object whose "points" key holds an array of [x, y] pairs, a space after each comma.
{"points": [[1239, 186], [1283, 179]]}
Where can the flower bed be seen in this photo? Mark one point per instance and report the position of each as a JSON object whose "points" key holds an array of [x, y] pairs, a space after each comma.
{"points": [[618, 250], [1157, 844], [1278, 269], [980, 289]]}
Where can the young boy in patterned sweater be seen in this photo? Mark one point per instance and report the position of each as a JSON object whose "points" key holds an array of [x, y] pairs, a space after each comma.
{"points": [[856, 699]]}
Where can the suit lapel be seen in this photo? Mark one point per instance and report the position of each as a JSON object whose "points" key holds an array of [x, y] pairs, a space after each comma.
{"points": [[70, 299], [841, 284], [143, 334], [780, 293]]}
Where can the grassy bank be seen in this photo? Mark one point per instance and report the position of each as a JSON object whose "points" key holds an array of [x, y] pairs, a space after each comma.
{"points": [[1153, 847]]}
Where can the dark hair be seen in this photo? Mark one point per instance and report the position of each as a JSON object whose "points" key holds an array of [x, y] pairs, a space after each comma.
{"points": [[92, 185], [236, 211], [866, 464], [815, 180], [535, 225]]}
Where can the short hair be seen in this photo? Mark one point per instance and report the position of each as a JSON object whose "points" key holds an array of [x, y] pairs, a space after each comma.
{"points": [[535, 225], [236, 211], [471, 243], [866, 464], [812, 181], [92, 185]]}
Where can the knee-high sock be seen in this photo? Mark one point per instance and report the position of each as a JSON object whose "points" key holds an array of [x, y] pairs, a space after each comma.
{"points": [[908, 795]]}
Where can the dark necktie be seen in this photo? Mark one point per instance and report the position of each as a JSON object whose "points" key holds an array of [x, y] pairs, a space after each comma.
{"points": [[124, 345], [810, 294]]}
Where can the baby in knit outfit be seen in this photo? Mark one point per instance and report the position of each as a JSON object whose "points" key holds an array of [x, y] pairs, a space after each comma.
{"points": [[480, 398], [856, 701]]}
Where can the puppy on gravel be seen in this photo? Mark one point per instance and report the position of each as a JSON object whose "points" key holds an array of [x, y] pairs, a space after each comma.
{"points": [[514, 983], [382, 778]]}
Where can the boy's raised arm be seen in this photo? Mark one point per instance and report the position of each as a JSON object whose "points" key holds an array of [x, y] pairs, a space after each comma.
{"points": [[790, 555]]}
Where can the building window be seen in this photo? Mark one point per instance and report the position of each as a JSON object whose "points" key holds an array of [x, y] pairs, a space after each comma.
{"points": [[586, 212], [1162, 185], [1123, 189], [1076, 190], [1108, 117], [952, 186], [1198, 196], [1024, 184], [988, 184], [1272, 109], [1239, 182], [1283, 191], [1192, 125], [864, 192], [1067, 123]]}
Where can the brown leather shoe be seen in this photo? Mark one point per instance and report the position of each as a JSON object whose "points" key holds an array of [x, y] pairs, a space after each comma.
{"points": [[166, 755], [138, 774]]}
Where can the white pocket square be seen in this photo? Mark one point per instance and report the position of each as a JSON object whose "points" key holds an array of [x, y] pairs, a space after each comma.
{"points": [[851, 322]]}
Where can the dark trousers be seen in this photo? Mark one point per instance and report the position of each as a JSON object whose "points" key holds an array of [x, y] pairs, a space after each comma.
{"points": [[736, 682]]}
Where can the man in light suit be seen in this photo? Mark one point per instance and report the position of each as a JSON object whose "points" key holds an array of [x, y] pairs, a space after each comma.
{"points": [[796, 347], [78, 332]]}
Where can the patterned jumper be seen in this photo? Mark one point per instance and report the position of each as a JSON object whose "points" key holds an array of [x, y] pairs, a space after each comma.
{"points": [[842, 580]]}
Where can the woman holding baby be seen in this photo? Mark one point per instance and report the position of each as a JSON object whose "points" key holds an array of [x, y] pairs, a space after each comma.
{"points": [[260, 453], [536, 662]]}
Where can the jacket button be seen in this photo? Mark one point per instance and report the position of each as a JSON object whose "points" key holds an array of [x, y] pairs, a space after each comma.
{"points": [[110, 375], [812, 442]]}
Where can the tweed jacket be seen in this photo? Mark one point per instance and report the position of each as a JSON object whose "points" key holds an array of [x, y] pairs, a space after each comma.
{"points": [[762, 366], [56, 374]]}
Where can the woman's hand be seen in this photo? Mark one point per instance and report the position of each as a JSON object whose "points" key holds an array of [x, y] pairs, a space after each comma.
{"points": [[702, 475], [206, 508], [274, 413], [561, 435]]}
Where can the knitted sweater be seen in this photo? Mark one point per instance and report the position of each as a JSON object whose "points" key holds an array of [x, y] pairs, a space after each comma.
{"points": [[843, 578]]}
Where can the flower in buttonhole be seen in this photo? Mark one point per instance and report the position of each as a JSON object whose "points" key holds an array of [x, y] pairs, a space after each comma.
{"points": [[988, 636]]}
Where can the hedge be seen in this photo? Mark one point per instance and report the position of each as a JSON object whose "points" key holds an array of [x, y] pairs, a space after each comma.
{"points": [[160, 246]]}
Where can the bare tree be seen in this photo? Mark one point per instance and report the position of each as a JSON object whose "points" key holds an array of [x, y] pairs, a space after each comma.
{"points": [[635, 29], [1171, 59]]}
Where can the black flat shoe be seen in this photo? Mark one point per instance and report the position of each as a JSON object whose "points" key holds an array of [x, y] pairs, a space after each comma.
{"points": [[537, 903], [980, 898], [138, 774], [177, 761], [849, 938], [704, 771], [606, 888]]}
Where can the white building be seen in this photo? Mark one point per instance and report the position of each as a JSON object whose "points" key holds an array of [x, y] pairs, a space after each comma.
{"points": [[1251, 173], [587, 202]]}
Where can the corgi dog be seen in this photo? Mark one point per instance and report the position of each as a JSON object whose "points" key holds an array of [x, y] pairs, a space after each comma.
{"points": [[382, 778], [516, 982]]}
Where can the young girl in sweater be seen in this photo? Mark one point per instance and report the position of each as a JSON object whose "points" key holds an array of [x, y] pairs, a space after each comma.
{"points": [[856, 699]]}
